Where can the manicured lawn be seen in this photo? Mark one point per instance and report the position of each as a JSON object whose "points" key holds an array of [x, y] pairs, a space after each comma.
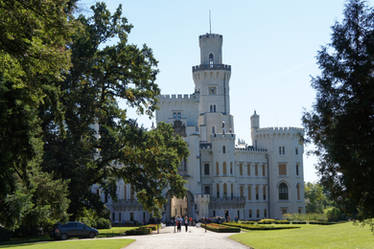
{"points": [[114, 231], [75, 244], [339, 236]]}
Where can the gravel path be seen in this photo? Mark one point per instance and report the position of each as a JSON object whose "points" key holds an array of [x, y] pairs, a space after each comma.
{"points": [[196, 238]]}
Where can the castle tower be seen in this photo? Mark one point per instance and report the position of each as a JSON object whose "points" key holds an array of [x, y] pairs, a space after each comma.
{"points": [[211, 79], [255, 124]]}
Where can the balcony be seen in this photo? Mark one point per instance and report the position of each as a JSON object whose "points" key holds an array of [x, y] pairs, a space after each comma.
{"points": [[203, 67], [227, 202]]}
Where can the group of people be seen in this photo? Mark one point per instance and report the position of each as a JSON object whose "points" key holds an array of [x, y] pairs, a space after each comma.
{"points": [[179, 221]]}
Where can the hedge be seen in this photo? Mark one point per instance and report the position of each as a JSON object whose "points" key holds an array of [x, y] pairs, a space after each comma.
{"points": [[220, 228], [139, 231], [257, 227]]}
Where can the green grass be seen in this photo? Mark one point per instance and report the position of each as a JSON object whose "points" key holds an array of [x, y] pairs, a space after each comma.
{"points": [[339, 236], [114, 231], [75, 244]]}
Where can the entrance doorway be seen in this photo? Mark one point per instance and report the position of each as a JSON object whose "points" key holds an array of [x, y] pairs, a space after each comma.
{"points": [[178, 207]]}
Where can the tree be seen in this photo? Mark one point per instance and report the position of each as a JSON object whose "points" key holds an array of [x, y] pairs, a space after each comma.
{"points": [[315, 199], [100, 143], [341, 124], [33, 57]]}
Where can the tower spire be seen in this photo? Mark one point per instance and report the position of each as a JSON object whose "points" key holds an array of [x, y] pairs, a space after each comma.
{"points": [[210, 24]]}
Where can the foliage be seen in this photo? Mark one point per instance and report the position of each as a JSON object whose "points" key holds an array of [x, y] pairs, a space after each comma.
{"points": [[219, 228], [81, 244], [100, 143], [339, 236], [114, 231], [32, 59], [103, 223], [306, 217], [258, 227], [342, 120], [315, 199], [139, 231]]}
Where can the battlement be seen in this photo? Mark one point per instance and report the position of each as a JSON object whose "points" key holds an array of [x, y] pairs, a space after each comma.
{"points": [[203, 67], [223, 135], [250, 148], [178, 97], [273, 131], [210, 35]]}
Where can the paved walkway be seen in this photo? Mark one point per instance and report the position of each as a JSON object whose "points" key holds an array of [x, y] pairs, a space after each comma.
{"points": [[197, 238]]}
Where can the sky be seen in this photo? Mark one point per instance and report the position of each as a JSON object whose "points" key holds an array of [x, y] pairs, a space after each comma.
{"points": [[271, 47]]}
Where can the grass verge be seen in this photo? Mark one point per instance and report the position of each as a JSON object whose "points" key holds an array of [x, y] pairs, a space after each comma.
{"points": [[339, 236]]}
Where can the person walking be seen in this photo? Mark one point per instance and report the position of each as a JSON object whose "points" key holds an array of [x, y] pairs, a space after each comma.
{"points": [[186, 222], [178, 224]]}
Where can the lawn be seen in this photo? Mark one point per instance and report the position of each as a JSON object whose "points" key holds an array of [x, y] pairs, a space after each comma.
{"points": [[75, 244], [339, 236]]}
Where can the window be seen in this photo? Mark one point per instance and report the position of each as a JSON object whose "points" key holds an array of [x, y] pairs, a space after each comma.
{"points": [[298, 191], [300, 210], [283, 191], [281, 150], [238, 216], [217, 169], [225, 190], [224, 169], [217, 186], [124, 192], [177, 115], [119, 217], [131, 216], [257, 192], [174, 115], [214, 213], [282, 169], [230, 168], [296, 151], [250, 213], [297, 169], [241, 191], [241, 169], [213, 129], [258, 213], [232, 191], [211, 60], [206, 169], [263, 170], [207, 190], [284, 210], [264, 192], [98, 192], [256, 170], [249, 192], [212, 91], [113, 216], [265, 213], [132, 193], [223, 149], [249, 169], [214, 108]]}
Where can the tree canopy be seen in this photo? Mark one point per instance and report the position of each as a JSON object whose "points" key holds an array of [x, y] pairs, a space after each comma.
{"points": [[62, 128], [341, 123]]}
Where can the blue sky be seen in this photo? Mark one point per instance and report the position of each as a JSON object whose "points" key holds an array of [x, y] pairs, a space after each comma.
{"points": [[270, 45]]}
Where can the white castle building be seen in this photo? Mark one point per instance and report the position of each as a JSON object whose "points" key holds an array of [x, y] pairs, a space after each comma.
{"points": [[226, 179]]}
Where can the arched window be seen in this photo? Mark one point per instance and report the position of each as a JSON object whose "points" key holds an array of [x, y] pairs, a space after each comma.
{"points": [[223, 149], [211, 60], [211, 108], [225, 190], [224, 169], [298, 191], [283, 191], [214, 108]]}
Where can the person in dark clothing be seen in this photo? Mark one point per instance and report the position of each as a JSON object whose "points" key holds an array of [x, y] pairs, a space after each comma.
{"points": [[186, 223]]}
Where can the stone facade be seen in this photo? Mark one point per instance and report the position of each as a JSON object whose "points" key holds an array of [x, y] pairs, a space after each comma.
{"points": [[226, 179]]}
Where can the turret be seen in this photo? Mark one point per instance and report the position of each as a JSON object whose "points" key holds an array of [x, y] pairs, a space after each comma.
{"points": [[210, 49], [255, 124]]}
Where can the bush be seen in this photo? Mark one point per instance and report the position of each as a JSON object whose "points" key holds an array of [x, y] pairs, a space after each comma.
{"points": [[258, 227], [103, 223], [153, 227], [5, 234], [306, 217], [335, 214], [219, 228], [139, 231], [266, 221]]}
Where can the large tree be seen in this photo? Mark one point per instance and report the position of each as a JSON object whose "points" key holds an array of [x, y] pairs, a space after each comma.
{"points": [[100, 143], [341, 124], [33, 57]]}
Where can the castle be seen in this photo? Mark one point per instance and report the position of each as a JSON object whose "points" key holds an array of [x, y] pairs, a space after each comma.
{"points": [[226, 179]]}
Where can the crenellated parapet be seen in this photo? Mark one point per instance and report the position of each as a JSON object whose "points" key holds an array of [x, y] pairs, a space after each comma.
{"points": [[279, 131], [219, 136], [179, 98], [250, 148]]}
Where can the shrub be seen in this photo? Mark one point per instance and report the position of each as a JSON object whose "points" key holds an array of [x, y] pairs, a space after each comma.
{"points": [[139, 231], [5, 234], [219, 228], [258, 227], [266, 221], [153, 227], [335, 214], [103, 223]]}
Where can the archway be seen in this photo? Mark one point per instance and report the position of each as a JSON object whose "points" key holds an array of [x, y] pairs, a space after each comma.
{"points": [[179, 206]]}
